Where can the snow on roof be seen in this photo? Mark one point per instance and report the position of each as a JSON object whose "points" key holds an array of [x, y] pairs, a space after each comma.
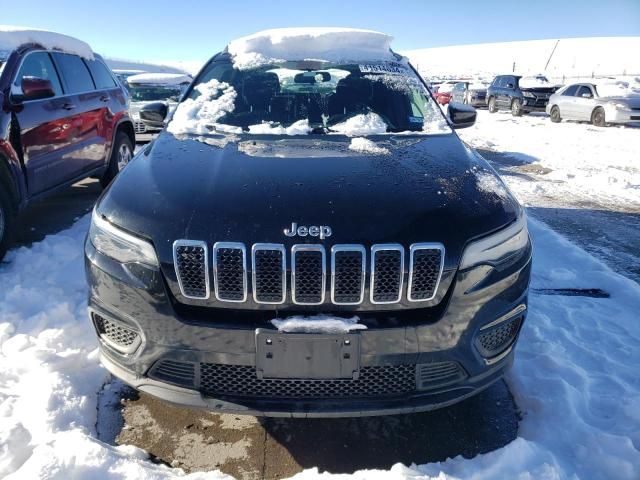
{"points": [[319, 43], [159, 79], [12, 37]]}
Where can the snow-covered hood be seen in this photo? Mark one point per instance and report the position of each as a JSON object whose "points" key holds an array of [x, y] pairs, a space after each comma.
{"points": [[184, 188], [631, 101]]}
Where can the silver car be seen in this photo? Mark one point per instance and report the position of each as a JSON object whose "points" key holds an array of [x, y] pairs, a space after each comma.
{"points": [[582, 101]]}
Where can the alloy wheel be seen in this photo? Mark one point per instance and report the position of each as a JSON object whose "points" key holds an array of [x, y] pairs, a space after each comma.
{"points": [[124, 155]]}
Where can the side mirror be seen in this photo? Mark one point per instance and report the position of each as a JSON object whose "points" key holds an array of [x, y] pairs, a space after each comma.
{"points": [[461, 115], [154, 114], [586, 95], [34, 88]]}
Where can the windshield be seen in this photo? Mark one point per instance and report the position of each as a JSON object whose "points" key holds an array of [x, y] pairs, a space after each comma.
{"points": [[153, 93], [309, 97]]}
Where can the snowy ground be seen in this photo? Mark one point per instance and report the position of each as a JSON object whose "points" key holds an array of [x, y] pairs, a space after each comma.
{"points": [[575, 378], [582, 180]]}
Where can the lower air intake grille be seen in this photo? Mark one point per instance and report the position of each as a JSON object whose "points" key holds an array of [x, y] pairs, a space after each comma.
{"points": [[121, 337], [241, 381], [177, 373], [434, 375], [192, 269], [308, 276], [495, 340]]}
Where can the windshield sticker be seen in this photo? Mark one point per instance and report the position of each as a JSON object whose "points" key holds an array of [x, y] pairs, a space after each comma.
{"points": [[390, 68]]}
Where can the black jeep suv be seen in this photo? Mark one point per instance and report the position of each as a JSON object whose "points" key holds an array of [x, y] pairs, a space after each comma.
{"points": [[519, 94], [308, 238]]}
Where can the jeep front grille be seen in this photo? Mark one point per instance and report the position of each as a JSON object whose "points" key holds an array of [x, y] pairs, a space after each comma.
{"points": [[230, 271], [387, 272], [191, 261], [308, 272]]}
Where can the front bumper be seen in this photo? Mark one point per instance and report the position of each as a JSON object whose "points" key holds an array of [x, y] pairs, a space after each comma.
{"points": [[138, 299], [622, 116]]}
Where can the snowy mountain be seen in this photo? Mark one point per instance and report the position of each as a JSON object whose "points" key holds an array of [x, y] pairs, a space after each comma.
{"points": [[558, 58]]}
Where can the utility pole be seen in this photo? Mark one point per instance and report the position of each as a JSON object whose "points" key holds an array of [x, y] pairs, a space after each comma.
{"points": [[552, 52]]}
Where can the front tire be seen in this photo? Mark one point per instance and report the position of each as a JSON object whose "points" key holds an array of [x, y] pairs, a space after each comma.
{"points": [[555, 114], [598, 117], [7, 221], [516, 108], [493, 108], [121, 154]]}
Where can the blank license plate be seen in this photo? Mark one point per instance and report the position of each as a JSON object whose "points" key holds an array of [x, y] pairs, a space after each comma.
{"points": [[307, 355]]}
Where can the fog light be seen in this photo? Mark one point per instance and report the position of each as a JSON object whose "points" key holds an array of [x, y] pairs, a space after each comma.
{"points": [[496, 339]]}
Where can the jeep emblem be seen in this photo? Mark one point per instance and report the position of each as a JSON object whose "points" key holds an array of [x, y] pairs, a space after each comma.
{"points": [[322, 231]]}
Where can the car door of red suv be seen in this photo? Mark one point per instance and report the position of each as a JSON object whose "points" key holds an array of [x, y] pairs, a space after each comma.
{"points": [[47, 133], [87, 105]]}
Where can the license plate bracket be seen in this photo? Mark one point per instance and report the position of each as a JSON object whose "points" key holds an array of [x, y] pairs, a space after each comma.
{"points": [[307, 355]]}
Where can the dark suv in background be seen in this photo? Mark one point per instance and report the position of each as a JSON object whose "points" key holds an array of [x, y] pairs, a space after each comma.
{"points": [[510, 92], [63, 118]]}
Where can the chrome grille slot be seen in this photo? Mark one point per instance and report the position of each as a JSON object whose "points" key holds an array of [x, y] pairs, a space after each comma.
{"points": [[308, 274], [426, 261], [269, 273], [387, 273], [191, 262], [347, 274], [230, 271]]}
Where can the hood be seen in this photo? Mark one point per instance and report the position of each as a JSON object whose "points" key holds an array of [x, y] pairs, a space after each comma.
{"points": [[633, 101], [423, 189]]}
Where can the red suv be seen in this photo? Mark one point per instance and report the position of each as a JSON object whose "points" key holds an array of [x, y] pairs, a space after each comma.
{"points": [[63, 118]]}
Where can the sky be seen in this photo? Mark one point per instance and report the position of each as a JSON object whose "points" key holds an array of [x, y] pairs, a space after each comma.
{"points": [[194, 30]]}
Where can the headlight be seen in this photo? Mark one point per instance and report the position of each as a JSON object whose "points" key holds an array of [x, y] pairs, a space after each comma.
{"points": [[497, 247], [120, 245], [528, 95], [620, 106]]}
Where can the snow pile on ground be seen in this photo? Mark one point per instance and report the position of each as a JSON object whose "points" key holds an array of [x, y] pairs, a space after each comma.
{"points": [[575, 375], [320, 43], [364, 145], [200, 115], [49, 371], [301, 127], [363, 124], [317, 324], [12, 37], [591, 165], [159, 79]]}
